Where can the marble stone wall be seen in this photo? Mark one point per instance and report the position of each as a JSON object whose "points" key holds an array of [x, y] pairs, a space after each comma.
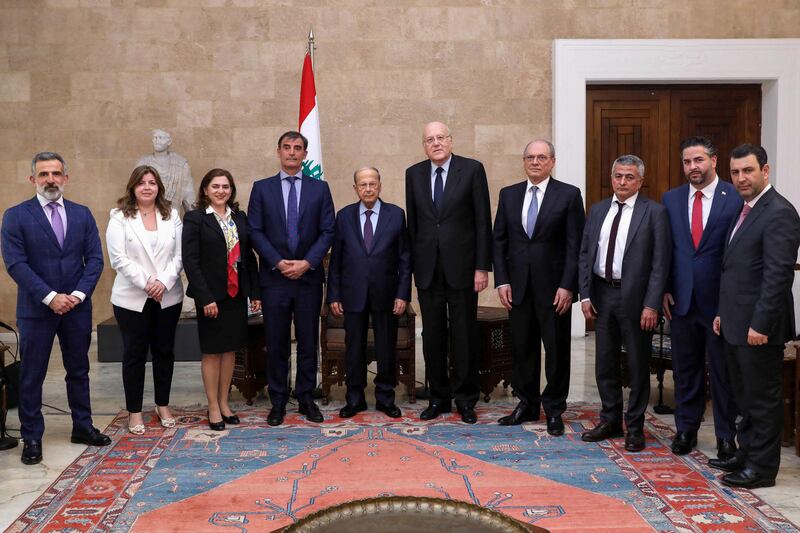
{"points": [[91, 78]]}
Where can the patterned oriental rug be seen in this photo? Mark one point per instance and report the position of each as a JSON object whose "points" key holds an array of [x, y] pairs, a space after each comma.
{"points": [[257, 478]]}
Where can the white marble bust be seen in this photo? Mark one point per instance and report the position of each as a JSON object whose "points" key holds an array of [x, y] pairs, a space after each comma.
{"points": [[174, 170]]}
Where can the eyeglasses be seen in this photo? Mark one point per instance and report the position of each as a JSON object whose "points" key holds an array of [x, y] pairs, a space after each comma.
{"points": [[437, 139], [541, 158], [365, 186]]}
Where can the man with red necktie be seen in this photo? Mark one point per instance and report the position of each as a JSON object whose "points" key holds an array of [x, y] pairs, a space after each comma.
{"points": [[700, 213]]}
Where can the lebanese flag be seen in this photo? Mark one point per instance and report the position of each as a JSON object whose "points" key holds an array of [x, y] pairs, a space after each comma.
{"points": [[309, 122]]}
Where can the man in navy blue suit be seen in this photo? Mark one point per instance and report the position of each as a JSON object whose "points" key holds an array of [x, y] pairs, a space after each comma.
{"points": [[700, 213], [291, 221], [52, 251], [370, 277]]}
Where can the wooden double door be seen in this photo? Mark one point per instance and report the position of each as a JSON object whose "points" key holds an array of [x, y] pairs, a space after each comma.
{"points": [[651, 121]]}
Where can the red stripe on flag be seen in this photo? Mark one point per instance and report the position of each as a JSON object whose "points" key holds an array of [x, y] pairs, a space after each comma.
{"points": [[308, 93]]}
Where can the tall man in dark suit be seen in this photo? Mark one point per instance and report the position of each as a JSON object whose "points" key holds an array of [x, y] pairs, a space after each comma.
{"points": [[449, 228], [756, 315], [291, 220], [537, 237], [370, 277], [700, 213], [623, 269], [52, 251]]}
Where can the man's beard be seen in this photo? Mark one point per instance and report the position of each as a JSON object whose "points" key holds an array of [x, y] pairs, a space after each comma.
{"points": [[50, 192]]}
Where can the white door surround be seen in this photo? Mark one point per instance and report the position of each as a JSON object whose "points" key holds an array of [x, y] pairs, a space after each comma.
{"points": [[775, 63]]}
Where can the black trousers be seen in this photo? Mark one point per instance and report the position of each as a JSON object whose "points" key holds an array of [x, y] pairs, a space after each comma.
{"points": [[384, 328], [530, 327], [450, 315], [755, 373], [151, 329], [613, 327]]}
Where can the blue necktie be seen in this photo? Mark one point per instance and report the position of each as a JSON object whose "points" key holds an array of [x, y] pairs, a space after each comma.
{"points": [[438, 188], [291, 217], [533, 212], [368, 232]]}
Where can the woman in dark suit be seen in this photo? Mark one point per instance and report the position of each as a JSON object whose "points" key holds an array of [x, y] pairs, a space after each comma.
{"points": [[221, 268]]}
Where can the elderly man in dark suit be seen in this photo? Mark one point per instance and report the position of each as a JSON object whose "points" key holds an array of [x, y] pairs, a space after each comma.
{"points": [[756, 315], [623, 269], [370, 278], [537, 236], [52, 251], [450, 233], [700, 213], [291, 273]]}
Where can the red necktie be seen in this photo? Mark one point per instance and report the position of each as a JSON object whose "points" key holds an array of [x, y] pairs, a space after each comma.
{"points": [[697, 219], [233, 275]]}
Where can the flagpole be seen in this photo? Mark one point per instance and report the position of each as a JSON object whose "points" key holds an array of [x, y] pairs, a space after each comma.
{"points": [[310, 48]]}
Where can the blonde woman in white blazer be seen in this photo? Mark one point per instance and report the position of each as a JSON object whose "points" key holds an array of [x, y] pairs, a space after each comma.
{"points": [[144, 247]]}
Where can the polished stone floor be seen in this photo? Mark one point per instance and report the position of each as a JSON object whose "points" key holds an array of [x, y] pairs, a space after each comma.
{"points": [[21, 484]]}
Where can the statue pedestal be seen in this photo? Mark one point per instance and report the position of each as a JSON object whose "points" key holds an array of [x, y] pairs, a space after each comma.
{"points": [[109, 341]]}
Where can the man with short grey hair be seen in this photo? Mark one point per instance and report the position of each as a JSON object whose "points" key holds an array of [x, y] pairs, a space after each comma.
{"points": [[623, 267], [537, 237], [52, 251]]}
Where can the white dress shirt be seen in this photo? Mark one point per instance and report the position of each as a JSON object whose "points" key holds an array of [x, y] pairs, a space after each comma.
{"points": [[541, 186], [445, 170], [622, 237], [707, 199], [47, 213]]}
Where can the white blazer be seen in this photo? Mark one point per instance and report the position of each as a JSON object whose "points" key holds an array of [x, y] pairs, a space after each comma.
{"points": [[136, 261]]}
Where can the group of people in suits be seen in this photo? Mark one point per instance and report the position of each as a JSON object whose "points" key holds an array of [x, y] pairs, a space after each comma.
{"points": [[716, 259]]}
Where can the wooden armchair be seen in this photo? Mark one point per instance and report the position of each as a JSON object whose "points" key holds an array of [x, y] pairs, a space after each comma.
{"points": [[333, 352]]}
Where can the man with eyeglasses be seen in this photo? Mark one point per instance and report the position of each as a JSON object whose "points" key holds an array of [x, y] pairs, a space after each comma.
{"points": [[537, 236], [622, 274], [370, 279], [449, 228]]}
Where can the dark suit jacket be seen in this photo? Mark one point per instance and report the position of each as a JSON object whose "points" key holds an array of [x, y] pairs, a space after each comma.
{"points": [[205, 258], [645, 264], [757, 272], [384, 273], [267, 219], [38, 265], [462, 232], [697, 271], [551, 255]]}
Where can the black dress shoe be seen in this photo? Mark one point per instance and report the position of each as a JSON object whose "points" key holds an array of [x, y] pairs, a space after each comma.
{"points": [[683, 442], [634, 441], [435, 409], [522, 413], [389, 409], [731, 464], [602, 431], [350, 410], [747, 478], [276, 414], [232, 420], [90, 436], [31, 452], [555, 426], [467, 413], [726, 448], [311, 412]]}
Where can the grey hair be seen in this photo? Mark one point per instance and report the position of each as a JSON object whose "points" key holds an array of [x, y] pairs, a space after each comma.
{"points": [[629, 159], [355, 174], [545, 141], [47, 156]]}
